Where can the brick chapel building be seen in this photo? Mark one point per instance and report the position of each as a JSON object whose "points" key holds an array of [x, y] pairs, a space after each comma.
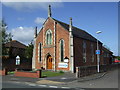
{"points": [[61, 46]]}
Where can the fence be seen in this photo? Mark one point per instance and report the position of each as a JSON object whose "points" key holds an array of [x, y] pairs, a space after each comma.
{"points": [[88, 70]]}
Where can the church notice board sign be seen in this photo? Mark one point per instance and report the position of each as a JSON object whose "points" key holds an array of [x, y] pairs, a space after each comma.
{"points": [[63, 65]]}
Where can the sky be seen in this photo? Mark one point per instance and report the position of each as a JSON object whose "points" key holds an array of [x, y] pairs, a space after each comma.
{"points": [[23, 17]]}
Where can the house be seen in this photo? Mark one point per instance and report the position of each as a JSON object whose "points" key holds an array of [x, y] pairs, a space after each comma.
{"points": [[61, 46], [13, 49]]}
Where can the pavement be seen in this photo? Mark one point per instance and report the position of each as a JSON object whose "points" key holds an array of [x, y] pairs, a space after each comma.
{"points": [[58, 80]]}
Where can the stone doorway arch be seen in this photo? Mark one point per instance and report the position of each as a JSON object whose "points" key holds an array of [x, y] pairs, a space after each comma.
{"points": [[49, 60]]}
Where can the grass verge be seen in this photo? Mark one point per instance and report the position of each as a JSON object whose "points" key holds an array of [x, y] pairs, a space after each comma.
{"points": [[51, 74]]}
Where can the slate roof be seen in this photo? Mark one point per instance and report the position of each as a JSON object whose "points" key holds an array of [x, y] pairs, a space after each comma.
{"points": [[15, 44], [107, 50], [77, 32]]}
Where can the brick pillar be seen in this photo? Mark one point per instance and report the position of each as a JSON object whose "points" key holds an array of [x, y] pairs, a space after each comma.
{"points": [[71, 52], [39, 73], [34, 50], [4, 72], [77, 72]]}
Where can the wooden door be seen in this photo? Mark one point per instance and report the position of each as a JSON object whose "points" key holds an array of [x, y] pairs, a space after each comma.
{"points": [[49, 62]]}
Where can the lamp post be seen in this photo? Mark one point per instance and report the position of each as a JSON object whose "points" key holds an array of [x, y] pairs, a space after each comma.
{"points": [[98, 52]]}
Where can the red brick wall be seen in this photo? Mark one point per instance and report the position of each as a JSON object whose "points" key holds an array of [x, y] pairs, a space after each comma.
{"points": [[78, 52], [3, 72], [28, 74], [61, 33]]}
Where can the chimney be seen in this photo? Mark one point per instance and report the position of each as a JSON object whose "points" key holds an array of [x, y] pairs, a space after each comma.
{"points": [[35, 32], [49, 11]]}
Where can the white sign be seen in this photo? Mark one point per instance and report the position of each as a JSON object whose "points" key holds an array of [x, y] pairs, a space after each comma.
{"points": [[63, 65], [65, 60]]}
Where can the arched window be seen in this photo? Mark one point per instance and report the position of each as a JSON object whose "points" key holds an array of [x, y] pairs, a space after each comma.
{"points": [[62, 50], [84, 51], [92, 52], [40, 52], [49, 37]]}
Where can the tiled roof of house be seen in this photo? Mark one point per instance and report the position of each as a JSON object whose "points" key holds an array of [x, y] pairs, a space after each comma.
{"points": [[77, 32], [15, 43]]}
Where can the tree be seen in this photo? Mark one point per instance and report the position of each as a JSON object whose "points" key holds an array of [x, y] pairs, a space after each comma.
{"points": [[29, 51], [6, 37], [118, 57]]}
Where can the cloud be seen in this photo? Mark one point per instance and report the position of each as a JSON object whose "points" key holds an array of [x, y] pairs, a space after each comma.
{"points": [[31, 6], [39, 20], [23, 34]]}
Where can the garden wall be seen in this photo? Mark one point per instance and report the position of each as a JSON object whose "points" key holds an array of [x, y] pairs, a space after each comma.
{"points": [[36, 74], [3, 72]]}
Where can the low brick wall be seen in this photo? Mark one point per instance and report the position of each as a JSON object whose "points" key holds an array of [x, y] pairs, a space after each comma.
{"points": [[3, 72], [89, 70], [36, 74]]}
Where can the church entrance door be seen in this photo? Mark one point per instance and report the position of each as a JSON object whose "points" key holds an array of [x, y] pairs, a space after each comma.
{"points": [[49, 62]]}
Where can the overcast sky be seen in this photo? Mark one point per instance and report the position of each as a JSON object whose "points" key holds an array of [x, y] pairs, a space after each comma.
{"points": [[22, 18]]}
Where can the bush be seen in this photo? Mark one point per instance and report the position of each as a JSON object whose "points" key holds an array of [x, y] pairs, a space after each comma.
{"points": [[61, 72]]}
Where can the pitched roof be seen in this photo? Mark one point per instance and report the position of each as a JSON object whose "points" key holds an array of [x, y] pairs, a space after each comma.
{"points": [[107, 50], [77, 32], [16, 44]]}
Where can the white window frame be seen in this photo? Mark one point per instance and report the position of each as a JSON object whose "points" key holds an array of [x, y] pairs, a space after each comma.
{"points": [[39, 51], [48, 38], [63, 50], [84, 51], [92, 52]]}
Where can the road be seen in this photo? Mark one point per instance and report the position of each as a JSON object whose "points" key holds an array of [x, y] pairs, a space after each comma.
{"points": [[110, 80], [12, 86]]}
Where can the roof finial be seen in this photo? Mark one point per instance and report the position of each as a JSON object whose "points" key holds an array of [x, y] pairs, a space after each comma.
{"points": [[35, 32], [49, 11], [70, 25], [71, 21]]}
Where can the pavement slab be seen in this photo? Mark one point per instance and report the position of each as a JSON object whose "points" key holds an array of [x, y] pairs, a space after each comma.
{"points": [[48, 82]]}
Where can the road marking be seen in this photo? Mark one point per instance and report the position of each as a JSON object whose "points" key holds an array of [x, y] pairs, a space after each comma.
{"points": [[42, 85], [17, 82], [82, 89], [32, 84], [14, 79], [65, 87], [53, 86], [63, 78]]}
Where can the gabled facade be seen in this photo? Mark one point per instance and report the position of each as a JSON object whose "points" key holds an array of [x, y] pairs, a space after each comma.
{"points": [[61, 46], [14, 48]]}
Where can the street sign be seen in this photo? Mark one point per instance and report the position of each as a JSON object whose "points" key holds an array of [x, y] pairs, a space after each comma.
{"points": [[97, 51]]}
